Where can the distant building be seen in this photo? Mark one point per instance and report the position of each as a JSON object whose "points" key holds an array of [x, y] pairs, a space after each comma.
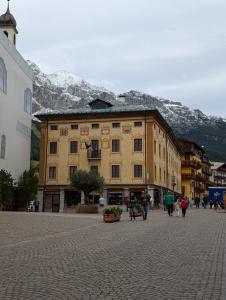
{"points": [[15, 101], [219, 174], [132, 147], [196, 170]]}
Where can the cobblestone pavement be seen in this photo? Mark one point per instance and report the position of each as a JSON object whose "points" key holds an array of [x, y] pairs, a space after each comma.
{"points": [[46, 256]]}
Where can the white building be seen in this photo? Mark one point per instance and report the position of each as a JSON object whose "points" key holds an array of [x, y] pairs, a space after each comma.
{"points": [[15, 101], [218, 173]]}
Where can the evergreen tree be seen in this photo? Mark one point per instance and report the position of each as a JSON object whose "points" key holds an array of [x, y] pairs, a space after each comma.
{"points": [[28, 184], [6, 186]]}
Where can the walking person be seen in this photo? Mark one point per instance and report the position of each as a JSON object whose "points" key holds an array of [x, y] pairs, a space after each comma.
{"points": [[101, 202], [184, 206], [131, 205], [144, 199], [178, 207], [169, 200]]}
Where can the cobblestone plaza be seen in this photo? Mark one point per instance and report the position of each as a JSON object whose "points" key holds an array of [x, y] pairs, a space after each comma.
{"points": [[47, 256]]}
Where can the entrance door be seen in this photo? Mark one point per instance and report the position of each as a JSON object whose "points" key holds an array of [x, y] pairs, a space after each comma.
{"points": [[55, 203]]}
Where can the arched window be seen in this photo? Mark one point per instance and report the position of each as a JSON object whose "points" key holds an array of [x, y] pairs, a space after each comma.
{"points": [[28, 101], [3, 146], [6, 33], [3, 76]]}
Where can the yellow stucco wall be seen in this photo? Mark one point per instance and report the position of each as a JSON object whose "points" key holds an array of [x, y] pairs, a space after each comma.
{"points": [[169, 162]]}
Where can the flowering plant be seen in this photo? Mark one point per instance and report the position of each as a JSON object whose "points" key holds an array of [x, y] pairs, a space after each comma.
{"points": [[116, 210]]}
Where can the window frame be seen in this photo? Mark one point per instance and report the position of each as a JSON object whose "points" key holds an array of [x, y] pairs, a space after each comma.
{"points": [[138, 124], [116, 125], [53, 150], [115, 145], [138, 171], [138, 145], [28, 101], [53, 127], [75, 168], [3, 147], [55, 173], [115, 171], [76, 147], [3, 78], [95, 126]]}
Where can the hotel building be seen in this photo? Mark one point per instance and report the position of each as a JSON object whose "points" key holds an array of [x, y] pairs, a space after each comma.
{"points": [[132, 147]]}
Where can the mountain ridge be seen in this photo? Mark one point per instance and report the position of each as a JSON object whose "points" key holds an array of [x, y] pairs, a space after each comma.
{"points": [[62, 90]]}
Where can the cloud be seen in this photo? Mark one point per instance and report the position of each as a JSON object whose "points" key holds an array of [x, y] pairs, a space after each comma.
{"points": [[174, 49]]}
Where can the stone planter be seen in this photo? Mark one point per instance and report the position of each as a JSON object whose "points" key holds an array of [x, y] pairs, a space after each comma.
{"points": [[86, 209], [111, 218]]}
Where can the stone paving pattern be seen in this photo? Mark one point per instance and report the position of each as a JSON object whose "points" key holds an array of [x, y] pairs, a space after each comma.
{"points": [[48, 256]]}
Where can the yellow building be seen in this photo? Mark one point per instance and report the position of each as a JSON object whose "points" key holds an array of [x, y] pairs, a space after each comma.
{"points": [[196, 170], [132, 147]]}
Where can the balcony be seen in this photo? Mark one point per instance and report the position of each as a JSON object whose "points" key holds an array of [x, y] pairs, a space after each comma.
{"points": [[94, 154], [188, 176], [200, 178], [207, 172], [191, 163]]}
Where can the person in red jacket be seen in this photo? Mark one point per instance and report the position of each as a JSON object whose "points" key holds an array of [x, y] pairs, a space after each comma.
{"points": [[184, 206]]}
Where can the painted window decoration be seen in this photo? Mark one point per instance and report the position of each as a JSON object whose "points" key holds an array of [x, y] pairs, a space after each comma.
{"points": [[3, 76], [28, 101], [3, 146]]}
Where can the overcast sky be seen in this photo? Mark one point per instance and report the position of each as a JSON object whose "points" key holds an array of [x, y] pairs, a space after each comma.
{"points": [[169, 48]]}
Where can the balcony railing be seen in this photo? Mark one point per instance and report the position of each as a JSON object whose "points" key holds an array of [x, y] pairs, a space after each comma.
{"points": [[188, 176], [94, 154], [191, 163], [200, 177]]}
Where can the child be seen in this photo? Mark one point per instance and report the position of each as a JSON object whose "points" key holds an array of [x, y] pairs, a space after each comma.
{"points": [[178, 207]]}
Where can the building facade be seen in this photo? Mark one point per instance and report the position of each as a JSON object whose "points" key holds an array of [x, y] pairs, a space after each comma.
{"points": [[196, 170], [132, 147], [15, 101], [218, 174]]}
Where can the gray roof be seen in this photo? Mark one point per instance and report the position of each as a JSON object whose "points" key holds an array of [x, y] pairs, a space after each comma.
{"points": [[89, 110]]}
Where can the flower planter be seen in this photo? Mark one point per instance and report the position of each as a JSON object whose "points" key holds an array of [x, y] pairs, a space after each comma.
{"points": [[111, 218]]}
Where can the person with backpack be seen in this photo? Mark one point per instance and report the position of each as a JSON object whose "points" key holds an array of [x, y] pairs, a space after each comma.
{"points": [[169, 200], [184, 206]]}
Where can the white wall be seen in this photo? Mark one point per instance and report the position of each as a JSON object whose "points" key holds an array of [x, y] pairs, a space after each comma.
{"points": [[12, 111]]}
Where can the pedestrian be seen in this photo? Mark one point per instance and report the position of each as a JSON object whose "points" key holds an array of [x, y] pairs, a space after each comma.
{"points": [[184, 206], [169, 200], [101, 201], [178, 207], [144, 199], [205, 199], [131, 205], [197, 202]]}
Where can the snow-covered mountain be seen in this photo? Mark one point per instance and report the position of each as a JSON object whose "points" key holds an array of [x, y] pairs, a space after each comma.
{"points": [[62, 90]]}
